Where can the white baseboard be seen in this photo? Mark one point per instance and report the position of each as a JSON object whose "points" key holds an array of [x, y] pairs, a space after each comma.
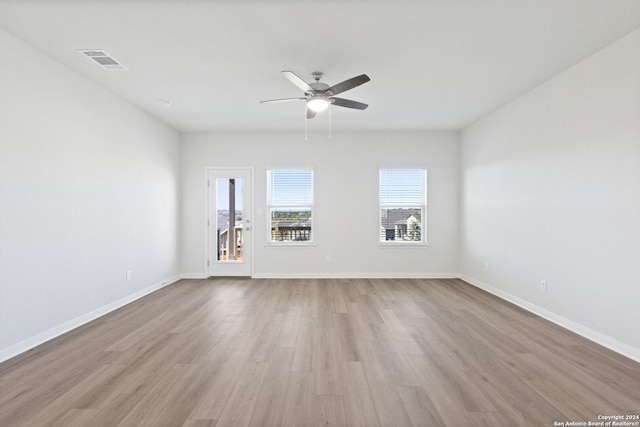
{"points": [[590, 334], [45, 336], [193, 276], [356, 275], [338, 276]]}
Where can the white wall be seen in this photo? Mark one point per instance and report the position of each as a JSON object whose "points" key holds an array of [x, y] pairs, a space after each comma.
{"points": [[550, 190], [88, 189], [346, 201]]}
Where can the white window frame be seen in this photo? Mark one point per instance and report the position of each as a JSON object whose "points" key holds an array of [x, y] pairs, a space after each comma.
{"points": [[310, 206], [422, 205]]}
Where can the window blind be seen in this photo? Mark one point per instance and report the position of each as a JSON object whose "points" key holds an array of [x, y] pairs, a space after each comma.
{"points": [[401, 187], [291, 187]]}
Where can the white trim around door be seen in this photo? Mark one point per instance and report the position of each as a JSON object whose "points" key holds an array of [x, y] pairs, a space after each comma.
{"points": [[229, 224]]}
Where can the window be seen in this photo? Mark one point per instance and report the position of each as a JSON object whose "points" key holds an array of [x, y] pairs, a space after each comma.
{"points": [[403, 205], [290, 198]]}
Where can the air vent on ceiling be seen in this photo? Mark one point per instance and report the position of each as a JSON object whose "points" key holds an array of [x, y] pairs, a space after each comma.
{"points": [[103, 59]]}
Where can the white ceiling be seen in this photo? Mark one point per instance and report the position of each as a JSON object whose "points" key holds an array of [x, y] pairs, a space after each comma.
{"points": [[438, 64]]}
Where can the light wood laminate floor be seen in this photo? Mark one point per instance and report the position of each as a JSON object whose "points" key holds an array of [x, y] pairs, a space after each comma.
{"points": [[246, 352]]}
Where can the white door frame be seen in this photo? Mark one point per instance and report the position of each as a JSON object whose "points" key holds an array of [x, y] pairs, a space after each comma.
{"points": [[213, 267]]}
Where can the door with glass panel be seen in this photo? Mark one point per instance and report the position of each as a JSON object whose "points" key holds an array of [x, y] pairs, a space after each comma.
{"points": [[229, 222]]}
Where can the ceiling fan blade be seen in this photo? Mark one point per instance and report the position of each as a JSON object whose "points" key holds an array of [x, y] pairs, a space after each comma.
{"points": [[282, 100], [341, 102], [293, 78], [348, 84], [310, 113]]}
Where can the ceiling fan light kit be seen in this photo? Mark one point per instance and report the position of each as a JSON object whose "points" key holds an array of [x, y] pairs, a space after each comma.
{"points": [[318, 103]]}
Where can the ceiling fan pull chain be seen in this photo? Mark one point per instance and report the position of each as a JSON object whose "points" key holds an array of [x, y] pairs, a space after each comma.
{"points": [[305, 124], [330, 121]]}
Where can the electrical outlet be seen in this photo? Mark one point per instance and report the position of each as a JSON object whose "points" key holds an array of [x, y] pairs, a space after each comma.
{"points": [[543, 285], [486, 266], [128, 275]]}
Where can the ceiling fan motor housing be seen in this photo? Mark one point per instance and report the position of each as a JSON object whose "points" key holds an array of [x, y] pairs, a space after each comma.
{"points": [[319, 87]]}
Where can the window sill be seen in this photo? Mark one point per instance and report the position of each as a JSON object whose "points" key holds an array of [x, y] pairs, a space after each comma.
{"points": [[403, 244], [290, 245]]}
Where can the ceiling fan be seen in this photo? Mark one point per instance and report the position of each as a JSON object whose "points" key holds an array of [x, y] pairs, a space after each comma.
{"points": [[318, 96]]}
